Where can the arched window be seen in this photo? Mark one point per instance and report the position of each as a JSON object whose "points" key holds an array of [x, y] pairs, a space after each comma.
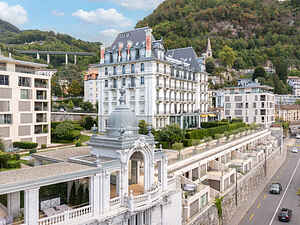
{"points": [[123, 69]]}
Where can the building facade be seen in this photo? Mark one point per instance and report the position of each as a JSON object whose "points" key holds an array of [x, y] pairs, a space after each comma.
{"points": [[251, 102], [289, 113], [24, 102], [286, 99], [294, 82], [162, 87], [91, 85]]}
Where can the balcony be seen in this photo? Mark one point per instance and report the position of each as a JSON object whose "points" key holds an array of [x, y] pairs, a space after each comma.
{"points": [[40, 83], [41, 95], [131, 86], [41, 106], [69, 217], [41, 117], [41, 129]]}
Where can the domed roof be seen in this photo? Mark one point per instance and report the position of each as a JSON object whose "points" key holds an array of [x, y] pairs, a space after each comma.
{"points": [[122, 120]]}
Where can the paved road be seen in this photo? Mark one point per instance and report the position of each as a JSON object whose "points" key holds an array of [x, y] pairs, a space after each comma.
{"points": [[266, 207]]}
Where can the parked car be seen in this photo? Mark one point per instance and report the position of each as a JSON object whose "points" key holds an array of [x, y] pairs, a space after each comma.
{"points": [[285, 215], [275, 188], [294, 150]]}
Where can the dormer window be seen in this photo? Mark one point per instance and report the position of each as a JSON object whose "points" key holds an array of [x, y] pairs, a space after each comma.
{"points": [[115, 70], [123, 69], [132, 68], [106, 71], [137, 54]]}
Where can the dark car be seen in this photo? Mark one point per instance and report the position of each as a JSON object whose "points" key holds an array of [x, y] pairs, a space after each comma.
{"points": [[285, 215], [275, 188]]}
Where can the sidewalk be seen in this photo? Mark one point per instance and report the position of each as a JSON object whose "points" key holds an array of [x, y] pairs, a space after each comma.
{"points": [[243, 209]]}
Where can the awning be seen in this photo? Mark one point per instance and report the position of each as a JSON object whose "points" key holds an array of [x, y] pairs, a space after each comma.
{"points": [[212, 115], [203, 116]]}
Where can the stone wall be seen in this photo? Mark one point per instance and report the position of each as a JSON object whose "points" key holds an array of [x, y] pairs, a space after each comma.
{"points": [[62, 116], [247, 185]]}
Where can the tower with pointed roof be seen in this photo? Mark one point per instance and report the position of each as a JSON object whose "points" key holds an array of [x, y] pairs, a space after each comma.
{"points": [[208, 49]]}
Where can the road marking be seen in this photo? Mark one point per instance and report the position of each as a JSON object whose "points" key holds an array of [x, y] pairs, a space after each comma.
{"points": [[251, 217], [258, 206], [265, 196], [287, 187]]}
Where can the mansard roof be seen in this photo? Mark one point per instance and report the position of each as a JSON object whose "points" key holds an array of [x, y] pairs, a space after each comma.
{"points": [[137, 37], [188, 55]]}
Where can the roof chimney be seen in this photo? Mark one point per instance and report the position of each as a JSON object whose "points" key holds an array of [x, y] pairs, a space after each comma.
{"points": [[148, 42], [102, 51]]}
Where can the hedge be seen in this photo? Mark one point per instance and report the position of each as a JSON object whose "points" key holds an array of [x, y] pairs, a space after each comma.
{"points": [[187, 142], [13, 164], [211, 132], [25, 145], [213, 124]]}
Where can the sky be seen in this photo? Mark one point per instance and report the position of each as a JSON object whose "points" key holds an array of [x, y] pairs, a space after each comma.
{"points": [[89, 20]]}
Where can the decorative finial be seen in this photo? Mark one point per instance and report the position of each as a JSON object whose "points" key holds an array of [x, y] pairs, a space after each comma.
{"points": [[122, 98]]}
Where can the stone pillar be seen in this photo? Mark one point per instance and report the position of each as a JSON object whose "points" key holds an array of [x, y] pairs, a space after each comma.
{"points": [[13, 204], [164, 173], [124, 183], [95, 195], [105, 193], [118, 181], [37, 55], [75, 59], [67, 59], [31, 206], [69, 188], [48, 58]]}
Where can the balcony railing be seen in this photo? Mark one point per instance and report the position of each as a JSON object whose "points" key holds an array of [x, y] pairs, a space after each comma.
{"points": [[68, 217]]}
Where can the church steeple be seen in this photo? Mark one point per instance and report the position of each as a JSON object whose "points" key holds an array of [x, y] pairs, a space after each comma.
{"points": [[208, 50]]}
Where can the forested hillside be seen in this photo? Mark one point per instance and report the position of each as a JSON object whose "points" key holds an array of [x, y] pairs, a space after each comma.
{"points": [[257, 30], [11, 39]]}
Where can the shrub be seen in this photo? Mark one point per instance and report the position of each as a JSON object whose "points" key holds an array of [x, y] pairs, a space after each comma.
{"points": [[171, 133], [165, 145], [1, 145], [196, 142], [16, 157], [43, 146], [143, 129], [25, 145], [208, 139], [32, 151], [87, 122], [13, 164], [177, 146], [218, 136], [187, 142], [66, 131], [78, 143]]}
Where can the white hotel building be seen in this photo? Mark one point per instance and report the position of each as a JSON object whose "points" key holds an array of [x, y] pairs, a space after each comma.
{"points": [[251, 102], [24, 102], [162, 87]]}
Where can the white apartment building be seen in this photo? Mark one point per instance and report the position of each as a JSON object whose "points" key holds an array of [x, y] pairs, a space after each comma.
{"points": [[91, 85], [24, 102], [294, 82], [252, 102], [162, 87]]}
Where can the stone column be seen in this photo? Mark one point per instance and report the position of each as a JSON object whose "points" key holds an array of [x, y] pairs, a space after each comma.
{"points": [[13, 204], [164, 173], [105, 193], [69, 188], [118, 181], [48, 58], [95, 195], [67, 59], [31, 206]]}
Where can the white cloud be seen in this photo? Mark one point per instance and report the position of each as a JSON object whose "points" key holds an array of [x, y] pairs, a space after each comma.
{"points": [[58, 13], [103, 17], [15, 14], [135, 4], [108, 36]]}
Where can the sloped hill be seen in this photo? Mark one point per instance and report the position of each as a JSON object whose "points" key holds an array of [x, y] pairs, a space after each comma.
{"points": [[7, 27], [257, 29]]}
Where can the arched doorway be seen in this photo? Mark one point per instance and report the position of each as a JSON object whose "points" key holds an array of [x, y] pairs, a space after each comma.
{"points": [[136, 173]]}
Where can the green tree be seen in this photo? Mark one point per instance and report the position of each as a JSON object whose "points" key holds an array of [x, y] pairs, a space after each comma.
{"points": [[143, 127], [281, 68], [65, 131], [218, 205], [75, 89], [87, 122], [87, 107], [70, 105], [1, 145], [259, 72], [210, 65], [227, 56], [56, 89], [171, 134], [297, 102]]}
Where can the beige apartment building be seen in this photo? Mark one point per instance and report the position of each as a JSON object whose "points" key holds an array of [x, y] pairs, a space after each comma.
{"points": [[289, 113], [24, 102]]}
